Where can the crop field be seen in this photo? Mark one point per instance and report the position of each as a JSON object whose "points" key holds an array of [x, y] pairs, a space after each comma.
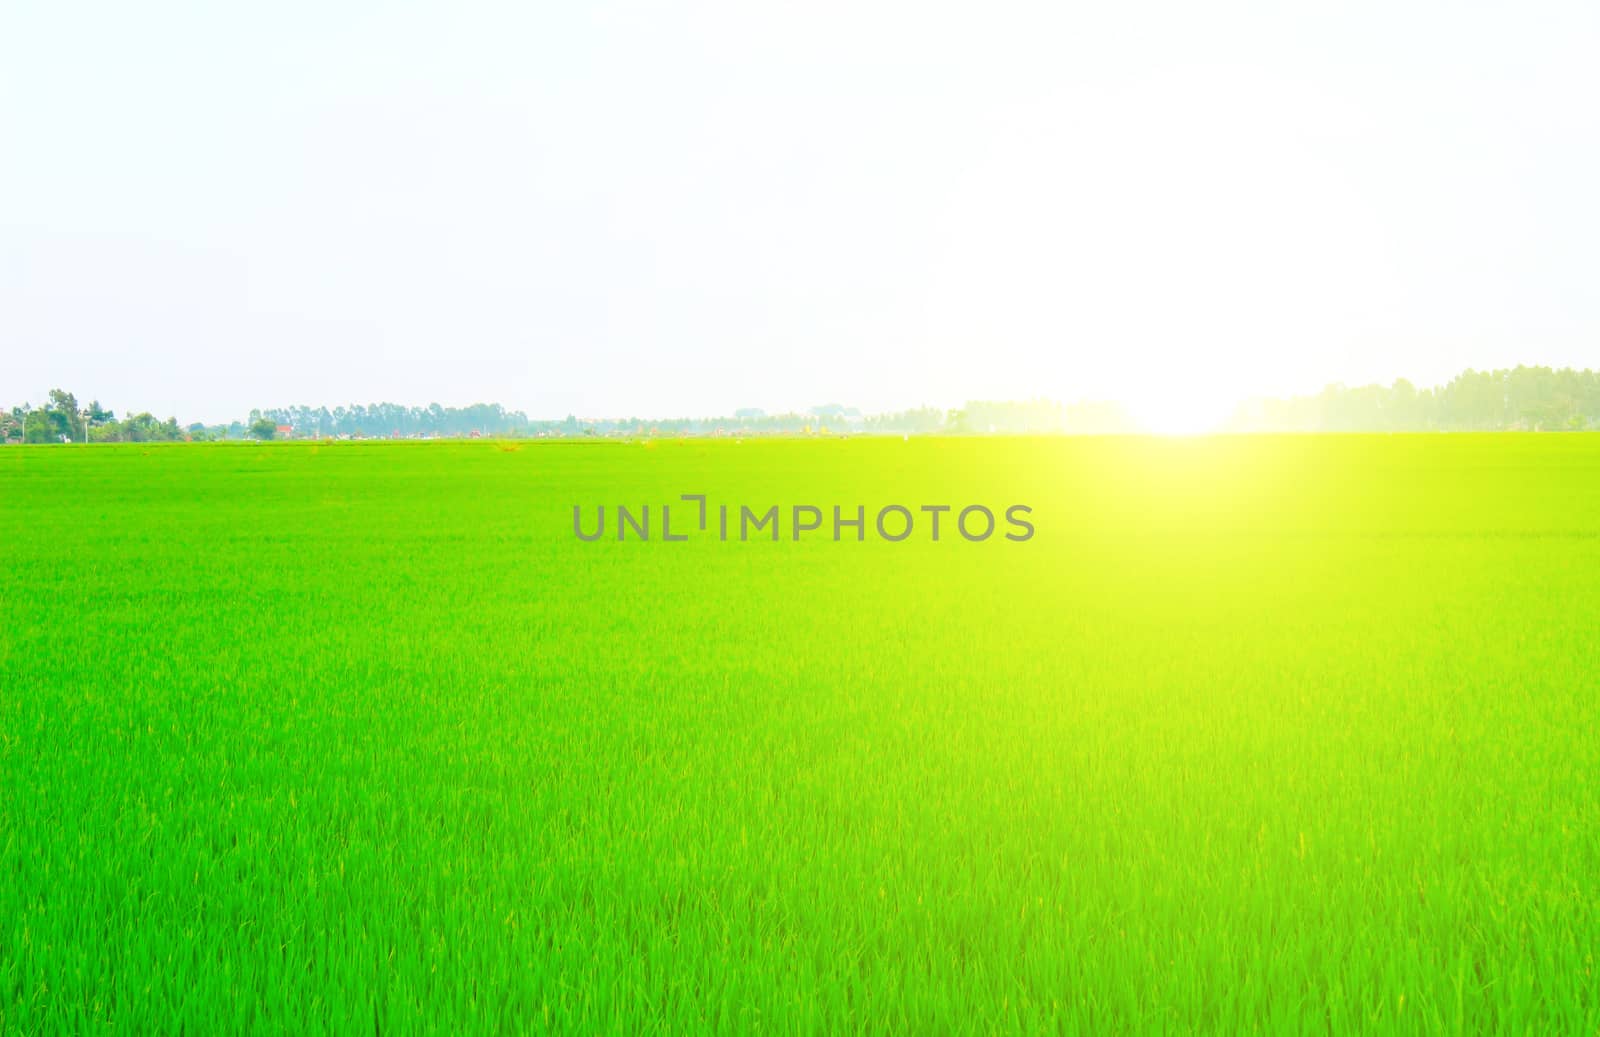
{"points": [[1265, 735]]}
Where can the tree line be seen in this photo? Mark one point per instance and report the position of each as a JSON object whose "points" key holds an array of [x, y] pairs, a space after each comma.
{"points": [[1527, 398], [1537, 399], [63, 420], [1040, 416]]}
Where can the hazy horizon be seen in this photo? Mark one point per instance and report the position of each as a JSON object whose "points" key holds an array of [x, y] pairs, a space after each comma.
{"points": [[1239, 409], [618, 210]]}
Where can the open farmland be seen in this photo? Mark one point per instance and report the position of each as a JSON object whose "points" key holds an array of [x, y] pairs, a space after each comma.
{"points": [[1253, 735]]}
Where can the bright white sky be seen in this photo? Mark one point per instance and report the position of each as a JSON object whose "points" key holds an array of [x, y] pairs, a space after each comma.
{"points": [[619, 208]]}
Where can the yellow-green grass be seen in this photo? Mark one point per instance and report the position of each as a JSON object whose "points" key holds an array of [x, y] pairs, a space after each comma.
{"points": [[1255, 735]]}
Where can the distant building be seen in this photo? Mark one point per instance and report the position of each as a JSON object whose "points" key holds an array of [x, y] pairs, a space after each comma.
{"points": [[284, 432]]}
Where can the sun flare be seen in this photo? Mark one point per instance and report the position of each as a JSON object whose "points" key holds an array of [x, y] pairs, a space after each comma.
{"points": [[1177, 415]]}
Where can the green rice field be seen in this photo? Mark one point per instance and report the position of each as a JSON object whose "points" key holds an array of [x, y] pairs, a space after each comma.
{"points": [[1253, 735]]}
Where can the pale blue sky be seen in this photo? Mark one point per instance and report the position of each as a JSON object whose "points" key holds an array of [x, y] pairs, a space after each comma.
{"points": [[682, 209]]}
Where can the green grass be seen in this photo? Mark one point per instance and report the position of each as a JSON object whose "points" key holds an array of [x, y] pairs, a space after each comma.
{"points": [[1255, 735]]}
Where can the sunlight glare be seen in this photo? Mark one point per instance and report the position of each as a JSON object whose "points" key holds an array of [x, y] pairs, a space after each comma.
{"points": [[1178, 414]]}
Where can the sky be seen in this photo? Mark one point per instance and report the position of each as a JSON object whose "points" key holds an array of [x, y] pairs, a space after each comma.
{"points": [[612, 209]]}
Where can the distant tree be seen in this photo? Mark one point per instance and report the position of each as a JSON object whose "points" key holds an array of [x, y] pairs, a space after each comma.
{"points": [[37, 427], [919, 420], [65, 416], [11, 425], [263, 428], [63, 401]]}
